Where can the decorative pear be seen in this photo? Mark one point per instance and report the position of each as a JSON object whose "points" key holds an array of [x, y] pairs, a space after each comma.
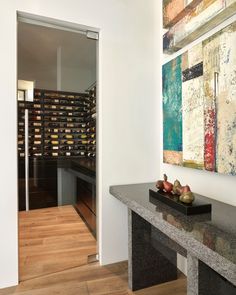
{"points": [[187, 198], [159, 184], [186, 189], [167, 185], [177, 187]]}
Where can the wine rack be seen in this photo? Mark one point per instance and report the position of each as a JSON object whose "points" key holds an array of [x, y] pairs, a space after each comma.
{"points": [[21, 129], [91, 123], [35, 129], [61, 124]]}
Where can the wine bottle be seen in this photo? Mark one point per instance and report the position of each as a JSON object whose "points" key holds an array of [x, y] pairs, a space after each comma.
{"points": [[70, 125], [92, 129], [37, 118], [92, 142], [36, 112], [53, 124], [70, 142], [37, 124], [66, 148]]}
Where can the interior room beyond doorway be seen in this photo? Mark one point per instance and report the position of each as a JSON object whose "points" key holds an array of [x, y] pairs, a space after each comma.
{"points": [[56, 149]]}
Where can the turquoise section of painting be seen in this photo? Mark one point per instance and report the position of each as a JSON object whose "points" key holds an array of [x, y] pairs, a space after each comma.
{"points": [[172, 105]]}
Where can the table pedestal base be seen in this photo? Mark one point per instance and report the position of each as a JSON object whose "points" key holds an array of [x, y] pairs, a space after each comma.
{"points": [[150, 261]]}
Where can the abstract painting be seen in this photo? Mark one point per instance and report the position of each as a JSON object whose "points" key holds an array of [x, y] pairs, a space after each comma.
{"points": [[187, 20], [199, 105]]}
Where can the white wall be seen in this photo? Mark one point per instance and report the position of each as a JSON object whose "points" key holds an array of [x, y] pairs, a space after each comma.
{"points": [[75, 79], [128, 143], [45, 77]]}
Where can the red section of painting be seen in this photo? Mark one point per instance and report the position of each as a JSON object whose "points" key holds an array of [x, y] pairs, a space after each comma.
{"points": [[210, 140]]}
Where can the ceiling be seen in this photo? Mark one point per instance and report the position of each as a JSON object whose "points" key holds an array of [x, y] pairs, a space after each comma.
{"points": [[38, 45]]}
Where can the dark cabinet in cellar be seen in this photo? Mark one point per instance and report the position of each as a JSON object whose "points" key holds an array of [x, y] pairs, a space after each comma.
{"points": [[42, 183], [86, 202]]}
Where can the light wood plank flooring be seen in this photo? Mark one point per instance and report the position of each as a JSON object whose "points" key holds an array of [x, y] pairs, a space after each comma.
{"points": [[54, 244], [52, 240], [91, 279]]}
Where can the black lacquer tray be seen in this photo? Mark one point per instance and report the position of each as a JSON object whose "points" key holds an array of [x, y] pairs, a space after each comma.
{"points": [[198, 206]]}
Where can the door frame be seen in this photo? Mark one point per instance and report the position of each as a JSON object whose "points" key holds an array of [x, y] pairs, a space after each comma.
{"points": [[76, 28]]}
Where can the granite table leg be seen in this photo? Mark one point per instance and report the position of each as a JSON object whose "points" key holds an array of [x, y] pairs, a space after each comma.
{"points": [[192, 272], [202, 280], [148, 264], [212, 283]]}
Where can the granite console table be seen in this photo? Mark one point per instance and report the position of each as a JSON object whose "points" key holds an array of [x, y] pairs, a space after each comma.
{"points": [[157, 233]]}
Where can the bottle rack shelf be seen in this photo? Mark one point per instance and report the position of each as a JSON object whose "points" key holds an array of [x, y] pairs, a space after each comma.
{"points": [[91, 123], [60, 124]]}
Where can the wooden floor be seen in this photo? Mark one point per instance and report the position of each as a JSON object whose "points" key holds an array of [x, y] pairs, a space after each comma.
{"points": [[54, 244], [52, 240]]}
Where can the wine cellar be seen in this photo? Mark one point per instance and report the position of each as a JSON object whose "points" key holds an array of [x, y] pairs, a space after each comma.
{"points": [[61, 125], [61, 151]]}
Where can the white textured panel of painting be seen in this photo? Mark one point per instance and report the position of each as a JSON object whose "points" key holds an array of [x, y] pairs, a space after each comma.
{"points": [[226, 103], [193, 122]]}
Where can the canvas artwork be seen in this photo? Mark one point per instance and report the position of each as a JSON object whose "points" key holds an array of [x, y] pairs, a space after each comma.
{"points": [[199, 105], [187, 20]]}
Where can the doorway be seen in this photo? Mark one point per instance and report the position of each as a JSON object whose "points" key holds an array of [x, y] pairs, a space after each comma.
{"points": [[56, 147]]}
